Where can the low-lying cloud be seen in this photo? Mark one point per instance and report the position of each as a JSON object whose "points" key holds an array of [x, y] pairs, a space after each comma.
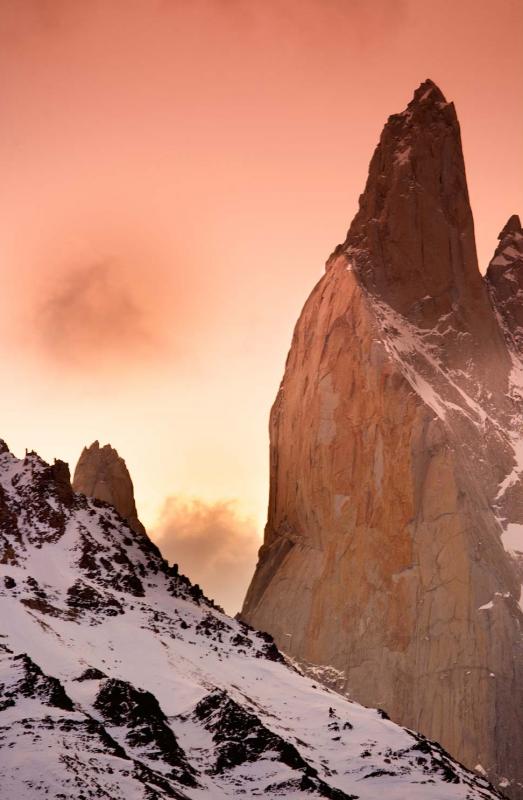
{"points": [[213, 544]]}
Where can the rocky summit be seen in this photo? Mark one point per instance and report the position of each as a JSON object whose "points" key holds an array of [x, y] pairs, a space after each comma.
{"points": [[119, 680], [101, 473], [394, 542], [505, 282]]}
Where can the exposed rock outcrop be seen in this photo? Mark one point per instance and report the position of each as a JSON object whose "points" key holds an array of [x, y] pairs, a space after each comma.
{"points": [[101, 473], [168, 698], [395, 479], [505, 280]]}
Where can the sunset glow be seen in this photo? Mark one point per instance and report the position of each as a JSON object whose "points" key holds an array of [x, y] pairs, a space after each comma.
{"points": [[174, 176]]}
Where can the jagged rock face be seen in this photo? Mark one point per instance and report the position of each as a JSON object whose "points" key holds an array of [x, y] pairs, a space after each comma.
{"points": [[412, 241], [505, 280], [395, 479], [119, 680], [102, 473]]}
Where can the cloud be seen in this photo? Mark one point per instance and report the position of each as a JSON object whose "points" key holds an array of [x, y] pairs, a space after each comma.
{"points": [[94, 316], [213, 545], [22, 18]]}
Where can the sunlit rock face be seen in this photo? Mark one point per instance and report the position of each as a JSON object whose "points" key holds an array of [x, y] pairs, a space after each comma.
{"points": [[101, 473], [390, 551]]}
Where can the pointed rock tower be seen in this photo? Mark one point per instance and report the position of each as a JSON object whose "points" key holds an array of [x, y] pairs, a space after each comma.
{"points": [[505, 280], [102, 474], [390, 551]]}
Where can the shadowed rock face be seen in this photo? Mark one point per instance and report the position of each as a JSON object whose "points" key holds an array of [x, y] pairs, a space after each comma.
{"points": [[395, 494], [505, 281], [102, 474]]}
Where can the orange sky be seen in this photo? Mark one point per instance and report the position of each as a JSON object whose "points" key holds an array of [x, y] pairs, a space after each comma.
{"points": [[174, 175]]}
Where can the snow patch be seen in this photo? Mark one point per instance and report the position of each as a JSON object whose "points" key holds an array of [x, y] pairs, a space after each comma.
{"points": [[512, 538]]}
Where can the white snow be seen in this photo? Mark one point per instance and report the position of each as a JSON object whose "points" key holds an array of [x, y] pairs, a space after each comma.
{"points": [[411, 349], [158, 644], [512, 537]]}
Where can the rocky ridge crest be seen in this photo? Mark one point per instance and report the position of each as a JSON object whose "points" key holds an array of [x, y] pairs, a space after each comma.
{"points": [[119, 679]]}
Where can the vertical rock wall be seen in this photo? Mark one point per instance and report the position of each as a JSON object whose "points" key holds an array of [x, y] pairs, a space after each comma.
{"points": [[394, 463], [102, 473]]}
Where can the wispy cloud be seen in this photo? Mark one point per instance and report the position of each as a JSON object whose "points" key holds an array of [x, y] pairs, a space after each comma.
{"points": [[92, 314], [213, 544]]}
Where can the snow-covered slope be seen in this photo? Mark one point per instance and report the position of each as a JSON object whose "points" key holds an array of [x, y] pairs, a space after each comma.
{"points": [[119, 679]]}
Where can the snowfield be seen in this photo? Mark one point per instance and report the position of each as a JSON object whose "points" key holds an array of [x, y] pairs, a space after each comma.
{"points": [[120, 680]]}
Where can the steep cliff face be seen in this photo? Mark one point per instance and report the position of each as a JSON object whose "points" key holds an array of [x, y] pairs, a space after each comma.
{"points": [[505, 281], [395, 471], [101, 473]]}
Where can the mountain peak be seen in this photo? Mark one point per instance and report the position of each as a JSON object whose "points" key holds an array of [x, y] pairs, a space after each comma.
{"points": [[427, 93], [412, 242], [101, 473], [107, 449], [512, 226], [504, 280], [394, 486]]}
